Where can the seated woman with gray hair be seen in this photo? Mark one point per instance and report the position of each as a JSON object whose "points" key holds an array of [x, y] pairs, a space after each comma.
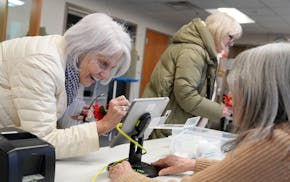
{"points": [[260, 84], [40, 77]]}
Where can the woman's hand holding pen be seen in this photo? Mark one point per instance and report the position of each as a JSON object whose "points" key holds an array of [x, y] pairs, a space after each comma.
{"points": [[118, 108]]}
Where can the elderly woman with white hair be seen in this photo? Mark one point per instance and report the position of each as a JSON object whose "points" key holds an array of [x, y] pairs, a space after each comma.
{"points": [[40, 77]]}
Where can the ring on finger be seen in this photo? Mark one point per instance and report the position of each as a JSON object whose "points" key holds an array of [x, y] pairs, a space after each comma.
{"points": [[124, 108]]}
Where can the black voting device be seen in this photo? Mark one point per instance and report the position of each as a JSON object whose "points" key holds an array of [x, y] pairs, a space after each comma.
{"points": [[136, 121], [135, 153], [24, 157]]}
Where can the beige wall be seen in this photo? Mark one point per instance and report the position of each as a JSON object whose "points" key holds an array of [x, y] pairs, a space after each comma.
{"points": [[53, 19]]}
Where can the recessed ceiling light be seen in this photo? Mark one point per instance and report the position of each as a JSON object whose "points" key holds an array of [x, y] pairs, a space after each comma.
{"points": [[13, 3], [182, 5], [235, 13]]}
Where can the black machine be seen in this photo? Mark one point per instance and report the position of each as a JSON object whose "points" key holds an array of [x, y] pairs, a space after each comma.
{"points": [[24, 157], [138, 117], [135, 153]]}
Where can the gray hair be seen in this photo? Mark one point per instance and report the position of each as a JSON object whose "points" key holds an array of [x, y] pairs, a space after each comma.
{"points": [[260, 84], [221, 25], [99, 32]]}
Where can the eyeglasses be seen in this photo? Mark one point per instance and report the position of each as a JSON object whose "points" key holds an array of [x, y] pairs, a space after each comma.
{"points": [[105, 66], [103, 62], [231, 40]]}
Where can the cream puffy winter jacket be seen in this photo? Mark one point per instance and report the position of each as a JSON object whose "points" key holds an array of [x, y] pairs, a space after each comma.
{"points": [[33, 95]]}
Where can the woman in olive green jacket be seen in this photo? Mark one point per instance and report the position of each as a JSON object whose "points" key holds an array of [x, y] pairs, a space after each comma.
{"points": [[187, 69]]}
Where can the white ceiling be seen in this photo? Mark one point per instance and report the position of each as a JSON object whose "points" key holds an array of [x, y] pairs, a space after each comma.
{"points": [[271, 16]]}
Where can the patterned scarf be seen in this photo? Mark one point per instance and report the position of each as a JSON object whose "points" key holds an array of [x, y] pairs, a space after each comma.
{"points": [[71, 82]]}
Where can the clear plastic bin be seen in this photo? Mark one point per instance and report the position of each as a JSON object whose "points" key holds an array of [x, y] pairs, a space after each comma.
{"points": [[196, 142]]}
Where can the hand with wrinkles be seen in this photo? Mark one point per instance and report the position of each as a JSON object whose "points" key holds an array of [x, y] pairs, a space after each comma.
{"points": [[117, 110], [173, 164], [119, 169]]}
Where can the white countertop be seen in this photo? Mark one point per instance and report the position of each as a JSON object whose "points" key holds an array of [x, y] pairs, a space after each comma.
{"points": [[82, 169]]}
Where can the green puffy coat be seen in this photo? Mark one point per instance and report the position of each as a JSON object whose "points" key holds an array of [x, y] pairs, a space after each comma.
{"points": [[186, 73]]}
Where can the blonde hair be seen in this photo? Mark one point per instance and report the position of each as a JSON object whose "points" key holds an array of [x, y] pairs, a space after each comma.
{"points": [[221, 25], [99, 32]]}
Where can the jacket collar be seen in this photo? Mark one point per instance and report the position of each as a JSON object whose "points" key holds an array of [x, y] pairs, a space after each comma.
{"points": [[196, 32]]}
